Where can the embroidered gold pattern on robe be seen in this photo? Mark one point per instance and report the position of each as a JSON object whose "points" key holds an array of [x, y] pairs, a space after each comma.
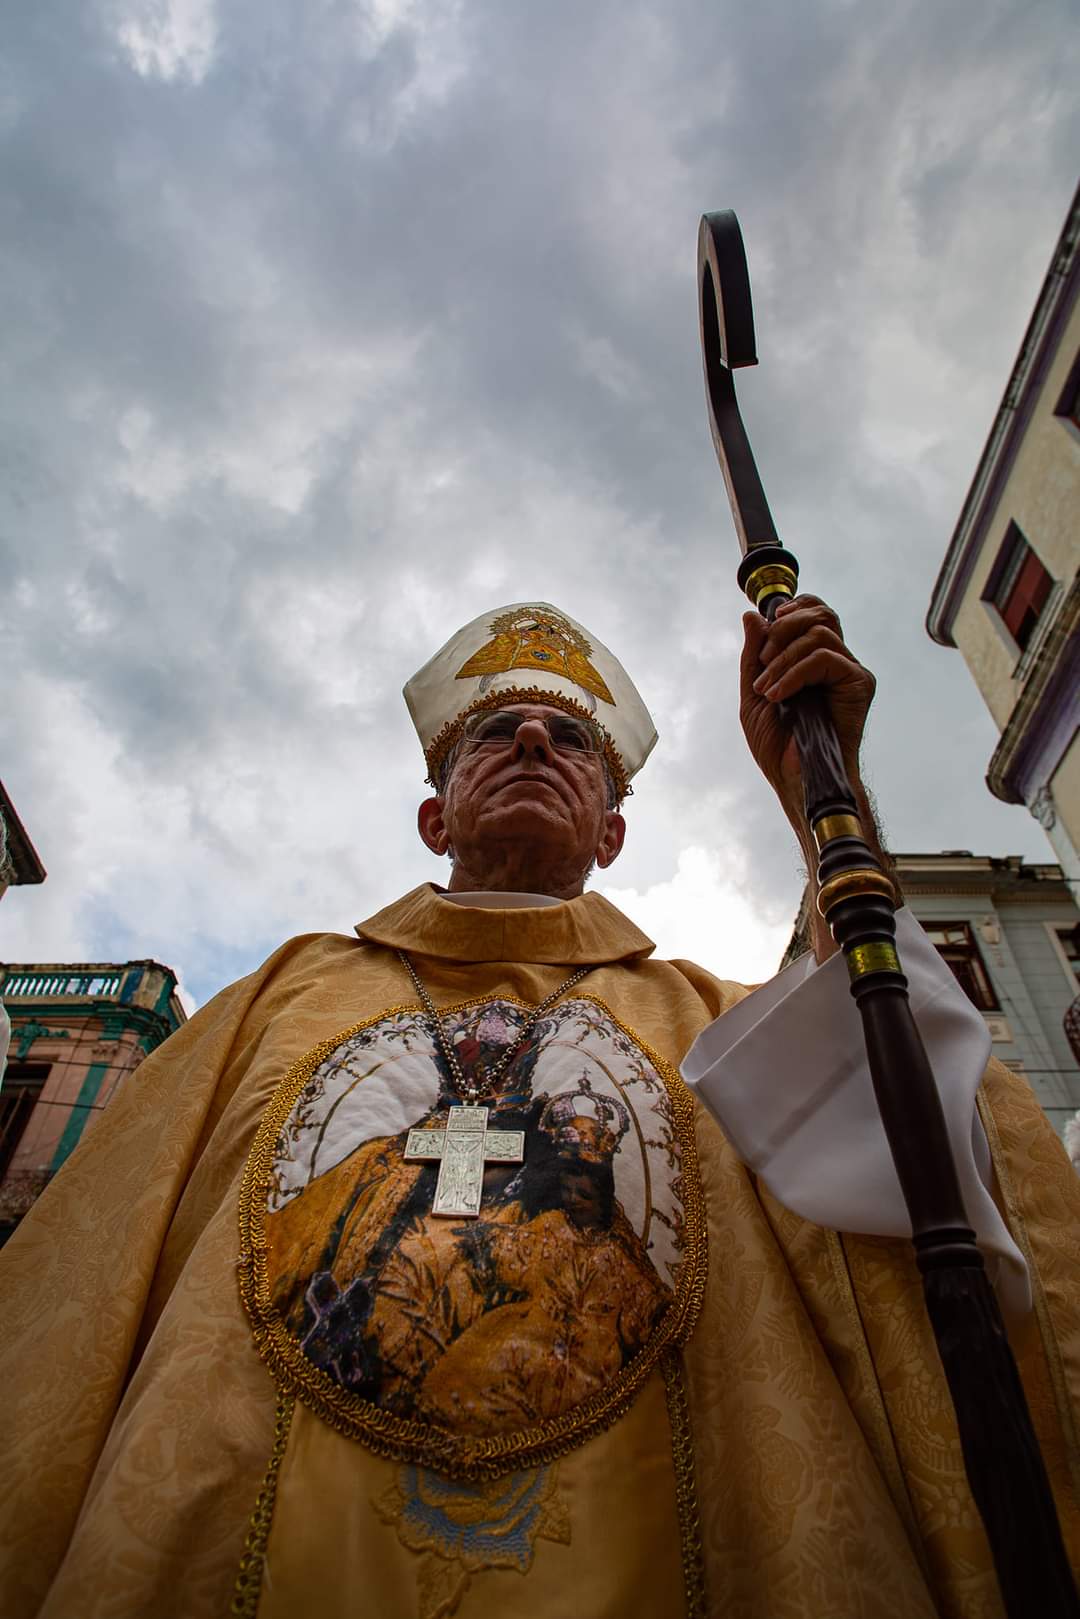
{"points": [[138, 1424], [508, 1336], [459, 1528]]}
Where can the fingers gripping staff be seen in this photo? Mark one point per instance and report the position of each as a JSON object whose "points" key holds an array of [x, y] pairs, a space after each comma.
{"points": [[1004, 1466]]}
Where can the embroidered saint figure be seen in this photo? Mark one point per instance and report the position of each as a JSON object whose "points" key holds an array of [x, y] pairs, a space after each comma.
{"points": [[512, 1318]]}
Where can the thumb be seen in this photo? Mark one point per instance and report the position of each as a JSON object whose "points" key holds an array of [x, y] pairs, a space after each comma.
{"points": [[755, 630]]}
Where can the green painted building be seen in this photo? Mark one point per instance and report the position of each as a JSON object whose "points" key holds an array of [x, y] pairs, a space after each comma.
{"points": [[78, 1033]]}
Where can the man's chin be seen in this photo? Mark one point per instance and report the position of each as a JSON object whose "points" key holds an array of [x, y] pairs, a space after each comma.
{"points": [[543, 818]]}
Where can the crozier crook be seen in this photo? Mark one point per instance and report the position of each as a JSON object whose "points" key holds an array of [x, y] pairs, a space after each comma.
{"points": [[1001, 1454]]}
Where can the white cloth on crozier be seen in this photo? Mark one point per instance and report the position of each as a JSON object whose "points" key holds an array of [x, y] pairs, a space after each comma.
{"points": [[785, 1075]]}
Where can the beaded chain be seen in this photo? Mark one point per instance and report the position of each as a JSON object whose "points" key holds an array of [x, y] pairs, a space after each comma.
{"points": [[467, 1089]]}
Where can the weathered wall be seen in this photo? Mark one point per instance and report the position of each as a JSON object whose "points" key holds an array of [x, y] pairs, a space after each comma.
{"points": [[1065, 794], [1042, 495], [90, 1027], [1032, 986]]}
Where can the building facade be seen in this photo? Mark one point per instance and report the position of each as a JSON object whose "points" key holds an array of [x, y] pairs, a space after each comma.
{"points": [[1008, 594], [1010, 933], [77, 1032], [19, 860]]}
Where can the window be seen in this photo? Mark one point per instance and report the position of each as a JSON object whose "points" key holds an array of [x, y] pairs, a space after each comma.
{"points": [[1018, 587], [22, 1087], [1068, 406], [956, 945], [1069, 940]]}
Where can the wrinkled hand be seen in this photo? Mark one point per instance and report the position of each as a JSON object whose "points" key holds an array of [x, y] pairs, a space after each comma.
{"points": [[803, 646]]}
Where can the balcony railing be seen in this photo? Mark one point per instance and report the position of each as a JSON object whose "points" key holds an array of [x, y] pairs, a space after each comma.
{"points": [[50, 985]]}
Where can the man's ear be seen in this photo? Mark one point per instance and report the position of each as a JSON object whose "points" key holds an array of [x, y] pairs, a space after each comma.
{"points": [[612, 837], [432, 827]]}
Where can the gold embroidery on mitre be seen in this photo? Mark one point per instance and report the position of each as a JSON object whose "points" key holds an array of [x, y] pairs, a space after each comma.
{"points": [[530, 639]]}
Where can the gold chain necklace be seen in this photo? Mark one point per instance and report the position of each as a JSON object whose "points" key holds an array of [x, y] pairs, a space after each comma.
{"points": [[465, 1143]]}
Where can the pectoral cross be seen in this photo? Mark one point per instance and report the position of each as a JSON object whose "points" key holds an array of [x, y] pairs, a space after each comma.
{"points": [[462, 1149]]}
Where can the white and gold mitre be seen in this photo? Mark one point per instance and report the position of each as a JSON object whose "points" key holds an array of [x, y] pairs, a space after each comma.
{"points": [[530, 653]]}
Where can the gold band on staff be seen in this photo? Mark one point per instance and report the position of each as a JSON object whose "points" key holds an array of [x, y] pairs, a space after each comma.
{"points": [[851, 884], [872, 958], [771, 579], [836, 826]]}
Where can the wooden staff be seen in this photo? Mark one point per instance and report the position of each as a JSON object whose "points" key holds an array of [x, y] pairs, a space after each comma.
{"points": [[1001, 1454]]}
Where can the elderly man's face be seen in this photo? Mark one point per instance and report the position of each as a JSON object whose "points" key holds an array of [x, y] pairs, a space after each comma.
{"points": [[520, 801]]}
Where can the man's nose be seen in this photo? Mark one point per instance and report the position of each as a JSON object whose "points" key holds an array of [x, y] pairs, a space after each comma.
{"points": [[533, 741]]}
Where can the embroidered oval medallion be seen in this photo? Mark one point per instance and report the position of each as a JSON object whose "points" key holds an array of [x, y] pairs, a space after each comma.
{"points": [[473, 1345]]}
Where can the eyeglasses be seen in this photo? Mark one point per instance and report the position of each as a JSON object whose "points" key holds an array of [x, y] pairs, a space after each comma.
{"points": [[500, 728]]}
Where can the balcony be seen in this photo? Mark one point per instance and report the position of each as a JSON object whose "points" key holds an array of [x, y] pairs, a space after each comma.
{"points": [[63, 983]]}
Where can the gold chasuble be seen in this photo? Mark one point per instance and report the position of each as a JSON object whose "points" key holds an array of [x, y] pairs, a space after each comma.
{"points": [[248, 1371]]}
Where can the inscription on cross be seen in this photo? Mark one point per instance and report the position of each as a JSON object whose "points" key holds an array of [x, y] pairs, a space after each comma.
{"points": [[462, 1148]]}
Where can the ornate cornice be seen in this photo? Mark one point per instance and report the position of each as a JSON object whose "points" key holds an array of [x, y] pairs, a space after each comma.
{"points": [[151, 1027], [24, 857]]}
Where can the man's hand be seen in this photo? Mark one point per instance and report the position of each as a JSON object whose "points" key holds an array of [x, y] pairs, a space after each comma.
{"points": [[803, 646]]}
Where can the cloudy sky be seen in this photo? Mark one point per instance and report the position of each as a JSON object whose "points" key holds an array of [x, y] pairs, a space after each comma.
{"points": [[330, 325]]}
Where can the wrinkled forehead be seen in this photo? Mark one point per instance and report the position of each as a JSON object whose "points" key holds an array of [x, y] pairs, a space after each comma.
{"points": [[531, 710]]}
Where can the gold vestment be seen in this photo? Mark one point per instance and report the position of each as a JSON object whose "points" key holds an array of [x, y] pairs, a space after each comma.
{"points": [[231, 1327]]}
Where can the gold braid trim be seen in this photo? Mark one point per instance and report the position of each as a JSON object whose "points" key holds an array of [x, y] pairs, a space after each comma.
{"points": [[682, 1454], [403, 1439], [441, 745], [248, 1585]]}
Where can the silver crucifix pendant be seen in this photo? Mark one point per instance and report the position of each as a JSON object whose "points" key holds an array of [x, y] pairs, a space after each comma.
{"points": [[462, 1149]]}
